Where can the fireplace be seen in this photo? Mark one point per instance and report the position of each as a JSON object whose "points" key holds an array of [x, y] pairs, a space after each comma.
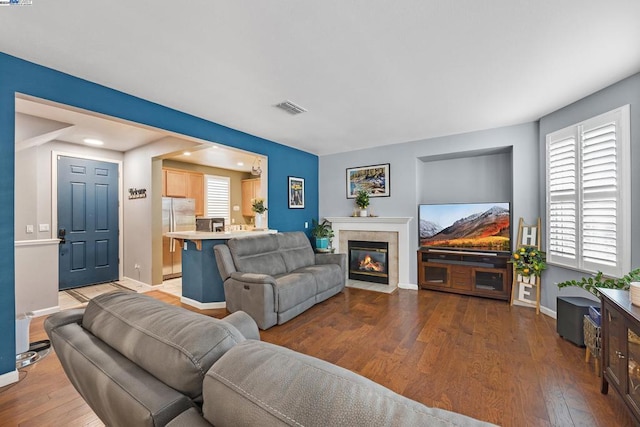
{"points": [[369, 261]]}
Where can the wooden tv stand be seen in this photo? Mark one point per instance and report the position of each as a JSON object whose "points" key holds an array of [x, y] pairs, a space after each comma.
{"points": [[483, 274]]}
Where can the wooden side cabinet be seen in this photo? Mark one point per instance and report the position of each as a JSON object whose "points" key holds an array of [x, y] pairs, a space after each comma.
{"points": [[621, 347], [468, 273]]}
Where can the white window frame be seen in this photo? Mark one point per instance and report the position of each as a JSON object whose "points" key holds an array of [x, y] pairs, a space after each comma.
{"points": [[621, 118], [227, 212]]}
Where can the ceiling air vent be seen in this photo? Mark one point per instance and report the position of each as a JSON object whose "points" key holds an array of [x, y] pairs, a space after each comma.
{"points": [[290, 107]]}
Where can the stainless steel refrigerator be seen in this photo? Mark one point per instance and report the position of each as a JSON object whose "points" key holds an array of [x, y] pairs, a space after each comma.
{"points": [[177, 215]]}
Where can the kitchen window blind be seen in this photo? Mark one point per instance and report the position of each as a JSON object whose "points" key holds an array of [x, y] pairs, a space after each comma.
{"points": [[587, 182], [218, 189]]}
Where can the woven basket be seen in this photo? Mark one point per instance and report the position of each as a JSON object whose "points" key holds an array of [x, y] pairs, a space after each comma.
{"points": [[592, 338]]}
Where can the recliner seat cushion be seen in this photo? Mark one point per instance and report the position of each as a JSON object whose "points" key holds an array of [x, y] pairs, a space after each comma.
{"points": [[296, 250], [175, 345], [293, 289], [257, 254], [327, 275]]}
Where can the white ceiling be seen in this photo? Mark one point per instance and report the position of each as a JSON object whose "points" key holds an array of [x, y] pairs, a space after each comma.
{"points": [[369, 72], [39, 122]]}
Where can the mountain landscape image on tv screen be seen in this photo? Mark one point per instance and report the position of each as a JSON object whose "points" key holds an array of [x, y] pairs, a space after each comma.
{"points": [[480, 226]]}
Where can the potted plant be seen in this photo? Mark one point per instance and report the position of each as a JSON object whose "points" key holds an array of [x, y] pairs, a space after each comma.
{"points": [[322, 232], [258, 206], [362, 201], [591, 284]]}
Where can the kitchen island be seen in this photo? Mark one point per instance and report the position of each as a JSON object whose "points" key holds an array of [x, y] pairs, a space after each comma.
{"points": [[202, 285]]}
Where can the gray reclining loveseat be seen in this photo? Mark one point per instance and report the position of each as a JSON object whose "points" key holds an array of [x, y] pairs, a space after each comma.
{"points": [[140, 362], [275, 277]]}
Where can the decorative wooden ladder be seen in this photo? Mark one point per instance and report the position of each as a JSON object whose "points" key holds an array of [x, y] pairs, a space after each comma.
{"points": [[528, 235]]}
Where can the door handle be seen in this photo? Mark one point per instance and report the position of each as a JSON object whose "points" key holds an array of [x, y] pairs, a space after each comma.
{"points": [[61, 235]]}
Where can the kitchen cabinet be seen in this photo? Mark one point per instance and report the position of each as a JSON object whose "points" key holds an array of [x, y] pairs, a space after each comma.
{"points": [[251, 189], [195, 190], [175, 183], [178, 183]]}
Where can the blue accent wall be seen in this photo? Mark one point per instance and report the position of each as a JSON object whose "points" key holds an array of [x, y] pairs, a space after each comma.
{"points": [[19, 76]]}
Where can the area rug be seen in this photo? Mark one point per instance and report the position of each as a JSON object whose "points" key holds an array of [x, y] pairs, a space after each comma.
{"points": [[85, 293]]}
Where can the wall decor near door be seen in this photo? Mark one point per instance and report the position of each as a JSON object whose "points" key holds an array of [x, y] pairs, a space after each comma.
{"points": [[296, 193], [372, 179]]}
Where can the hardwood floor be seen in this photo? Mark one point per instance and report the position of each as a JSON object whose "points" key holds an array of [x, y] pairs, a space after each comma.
{"points": [[475, 356]]}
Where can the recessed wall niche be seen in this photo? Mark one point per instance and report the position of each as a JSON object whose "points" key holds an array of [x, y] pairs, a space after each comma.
{"points": [[467, 177]]}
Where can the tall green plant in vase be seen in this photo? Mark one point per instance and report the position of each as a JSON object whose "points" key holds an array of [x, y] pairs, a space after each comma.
{"points": [[259, 207]]}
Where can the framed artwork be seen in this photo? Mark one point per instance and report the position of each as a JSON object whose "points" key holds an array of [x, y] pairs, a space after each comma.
{"points": [[296, 193], [373, 179]]}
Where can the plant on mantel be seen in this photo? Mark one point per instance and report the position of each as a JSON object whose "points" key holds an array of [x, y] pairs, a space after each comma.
{"points": [[362, 201]]}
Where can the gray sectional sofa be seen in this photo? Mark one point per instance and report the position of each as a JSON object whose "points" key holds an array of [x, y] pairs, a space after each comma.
{"points": [[275, 277], [140, 362]]}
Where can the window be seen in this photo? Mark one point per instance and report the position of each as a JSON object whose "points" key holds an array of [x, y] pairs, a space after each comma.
{"points": [[217, 195], [588, 196]]}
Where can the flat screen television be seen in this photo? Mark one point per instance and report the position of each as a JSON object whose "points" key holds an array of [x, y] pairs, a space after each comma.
{"points": [[465, 226]]}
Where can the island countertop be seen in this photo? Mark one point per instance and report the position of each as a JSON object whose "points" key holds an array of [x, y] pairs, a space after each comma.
{"points": [[218, 235]]}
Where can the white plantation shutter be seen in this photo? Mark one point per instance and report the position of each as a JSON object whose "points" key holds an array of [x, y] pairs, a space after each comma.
{"points": [[218, 189], [599, 195], [563, 188], [588, 212]]}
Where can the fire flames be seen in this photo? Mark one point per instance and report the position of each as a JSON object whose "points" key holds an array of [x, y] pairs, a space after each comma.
{"points": [[368, 264]]}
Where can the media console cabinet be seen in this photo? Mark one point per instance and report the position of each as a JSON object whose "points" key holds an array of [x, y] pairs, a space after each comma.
{"points": [[483, 274]]}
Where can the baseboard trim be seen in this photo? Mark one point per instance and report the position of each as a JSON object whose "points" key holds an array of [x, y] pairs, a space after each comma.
{"points": [[549, 312], [9, 378], [203, 305], [408, 286], [46, 311], [145, 287]]}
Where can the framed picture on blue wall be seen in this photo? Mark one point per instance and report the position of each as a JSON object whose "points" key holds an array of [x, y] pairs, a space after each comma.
{"points": [[372, 179], [296, 193]]}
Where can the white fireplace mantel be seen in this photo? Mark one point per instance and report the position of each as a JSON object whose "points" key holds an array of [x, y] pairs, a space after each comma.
{"points": [[398, 225]]}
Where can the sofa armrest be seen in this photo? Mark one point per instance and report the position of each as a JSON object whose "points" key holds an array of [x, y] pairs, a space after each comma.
{"points": [[253, 278], [226, 267], [63, 318], [245, 324], [340, 259]]}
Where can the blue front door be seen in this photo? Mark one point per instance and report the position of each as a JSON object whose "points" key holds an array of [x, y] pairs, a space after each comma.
{"points": [[87, 221]]}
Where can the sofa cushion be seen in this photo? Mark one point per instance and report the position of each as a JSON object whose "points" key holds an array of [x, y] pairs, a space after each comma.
{"points": [[257, 383], [257, 254], [293, 289], [327, 276], [175, 345], [296, 250]]}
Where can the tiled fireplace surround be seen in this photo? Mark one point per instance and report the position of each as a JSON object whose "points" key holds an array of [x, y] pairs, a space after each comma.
{"points": [[394, 230]]}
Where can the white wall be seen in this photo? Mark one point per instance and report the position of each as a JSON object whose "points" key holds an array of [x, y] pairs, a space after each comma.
{"points": [[143, 217], [407, 161]]}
